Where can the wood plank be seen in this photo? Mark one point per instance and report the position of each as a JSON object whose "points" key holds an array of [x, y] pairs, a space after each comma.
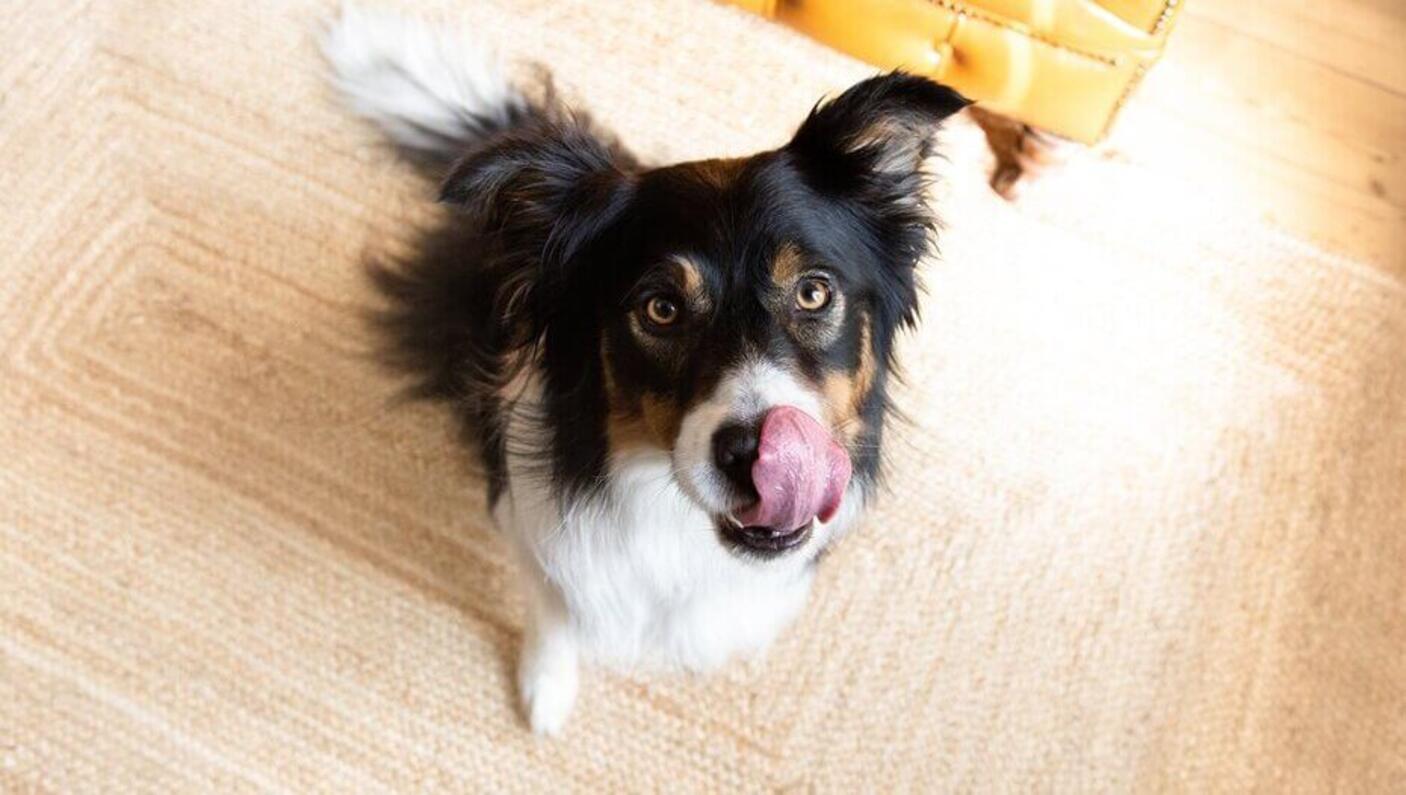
{"points": [[1361, 39], [1302, 141]]}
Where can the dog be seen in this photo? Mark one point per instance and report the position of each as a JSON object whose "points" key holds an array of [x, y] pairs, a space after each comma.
{"points": [[674, 376]]}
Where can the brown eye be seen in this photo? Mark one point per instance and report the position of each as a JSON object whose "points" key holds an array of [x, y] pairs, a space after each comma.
{"points": [[661, 311], [812, 295]]}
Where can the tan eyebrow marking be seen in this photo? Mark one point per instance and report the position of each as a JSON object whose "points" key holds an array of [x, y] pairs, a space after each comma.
{"points": [[787, 265], [691, 281]]}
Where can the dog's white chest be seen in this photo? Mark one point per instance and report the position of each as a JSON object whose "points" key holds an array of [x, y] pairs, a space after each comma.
{"points": [[643, 575]]}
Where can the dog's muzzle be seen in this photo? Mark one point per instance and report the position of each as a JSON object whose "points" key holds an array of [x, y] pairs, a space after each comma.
{"points": [[788, 471]]}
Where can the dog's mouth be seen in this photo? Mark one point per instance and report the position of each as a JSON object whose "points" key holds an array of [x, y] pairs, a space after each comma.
{"points": [[797, 477], [766, 542]]}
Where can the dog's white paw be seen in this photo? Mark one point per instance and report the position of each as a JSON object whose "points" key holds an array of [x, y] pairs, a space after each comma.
{"points": [[547, 685]]}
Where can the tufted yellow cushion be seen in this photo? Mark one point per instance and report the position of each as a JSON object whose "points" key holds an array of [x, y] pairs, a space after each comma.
{"points": [[1062, 65]]}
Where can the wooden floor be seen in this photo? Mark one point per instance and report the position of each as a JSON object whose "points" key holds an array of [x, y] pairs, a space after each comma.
{"points": [[1294, 108]]}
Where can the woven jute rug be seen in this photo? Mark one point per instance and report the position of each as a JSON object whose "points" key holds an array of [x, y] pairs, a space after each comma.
{"points": [[1144, 529]]}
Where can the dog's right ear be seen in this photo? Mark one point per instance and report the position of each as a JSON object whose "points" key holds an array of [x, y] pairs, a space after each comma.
{"points": [[548, 190], [544, 193]]}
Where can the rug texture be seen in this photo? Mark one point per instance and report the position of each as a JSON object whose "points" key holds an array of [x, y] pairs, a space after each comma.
{"points": [[1145, 526]]}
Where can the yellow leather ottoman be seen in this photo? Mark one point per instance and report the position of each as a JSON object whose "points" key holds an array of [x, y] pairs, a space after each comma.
{"points": [[1060, 65]]}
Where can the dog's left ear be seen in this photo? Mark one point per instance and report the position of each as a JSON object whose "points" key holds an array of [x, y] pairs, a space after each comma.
{"points": [[871, 142], [867, 150]]}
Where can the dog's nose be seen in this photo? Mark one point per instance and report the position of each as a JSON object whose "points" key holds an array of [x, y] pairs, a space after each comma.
{"points": [[734, 452]]}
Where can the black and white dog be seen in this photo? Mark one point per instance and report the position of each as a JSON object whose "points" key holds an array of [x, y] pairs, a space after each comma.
{"points": [[674, 376]]}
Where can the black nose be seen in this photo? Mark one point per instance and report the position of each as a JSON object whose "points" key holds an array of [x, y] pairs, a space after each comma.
{"points": [[734, 451]]}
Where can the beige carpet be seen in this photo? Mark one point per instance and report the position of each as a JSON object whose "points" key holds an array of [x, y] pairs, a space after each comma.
{"points": [[1146, 530]]}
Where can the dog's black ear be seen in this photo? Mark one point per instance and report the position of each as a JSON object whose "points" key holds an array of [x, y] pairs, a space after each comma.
{"points": [[867, 150], [871, 141], [547, 190], [543, 194]]}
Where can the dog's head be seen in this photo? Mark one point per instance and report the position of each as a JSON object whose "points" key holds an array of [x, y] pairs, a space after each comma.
{"points": [[736, 315]]}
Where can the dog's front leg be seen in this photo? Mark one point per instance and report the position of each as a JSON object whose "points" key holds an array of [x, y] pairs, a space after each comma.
{"points": [[548, 669]]}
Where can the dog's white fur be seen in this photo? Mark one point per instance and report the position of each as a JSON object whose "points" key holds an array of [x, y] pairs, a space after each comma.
{"points": [[636, 574]]}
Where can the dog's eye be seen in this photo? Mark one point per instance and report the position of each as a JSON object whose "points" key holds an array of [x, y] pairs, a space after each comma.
{"points": [[661, 311], [813, 294]]}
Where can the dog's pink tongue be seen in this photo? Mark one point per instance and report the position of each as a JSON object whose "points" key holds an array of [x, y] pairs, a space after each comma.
{"points": [[800, 472]]}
